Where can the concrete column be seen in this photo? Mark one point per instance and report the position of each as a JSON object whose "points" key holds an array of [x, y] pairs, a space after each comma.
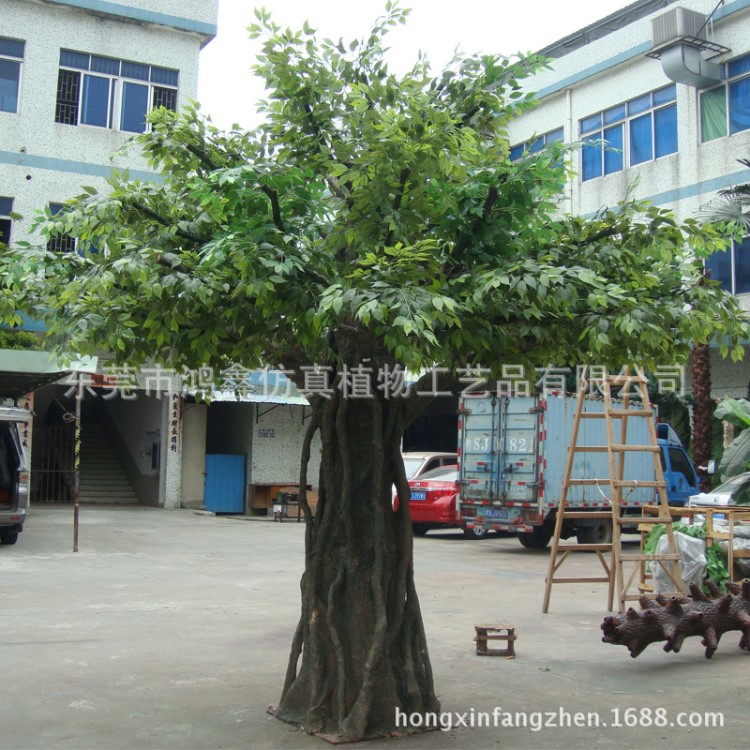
{"points": [[170, 476]]}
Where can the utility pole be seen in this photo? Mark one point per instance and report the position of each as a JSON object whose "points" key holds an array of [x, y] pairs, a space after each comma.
{"points": [[77, 465]]}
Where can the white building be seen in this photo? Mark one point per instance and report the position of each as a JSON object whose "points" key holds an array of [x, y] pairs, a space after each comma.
{"points": [[666, 83], [77, 78]]}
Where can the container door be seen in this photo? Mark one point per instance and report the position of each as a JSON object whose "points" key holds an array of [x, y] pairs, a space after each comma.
{"points": [[499, 448], [224, 484], [517, 449], [478, 444]]}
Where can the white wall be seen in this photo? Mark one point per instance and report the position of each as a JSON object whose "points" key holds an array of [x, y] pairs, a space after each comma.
{"points": [[42, 161], [730, 379], [183, 12], [277, 446], [134, 419]]}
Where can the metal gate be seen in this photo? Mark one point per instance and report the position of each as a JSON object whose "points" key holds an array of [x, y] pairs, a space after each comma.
{"points": [[52, 474]]}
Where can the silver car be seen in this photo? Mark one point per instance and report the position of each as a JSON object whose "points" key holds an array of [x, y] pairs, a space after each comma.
{"points": [[735, 491], [417, 463]]}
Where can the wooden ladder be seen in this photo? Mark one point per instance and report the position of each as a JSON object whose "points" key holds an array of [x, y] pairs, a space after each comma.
{"points": [[616, 449]]}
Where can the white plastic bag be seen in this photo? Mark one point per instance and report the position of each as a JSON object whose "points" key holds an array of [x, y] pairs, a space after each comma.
{"points": [[692, 553], [741, 543]]}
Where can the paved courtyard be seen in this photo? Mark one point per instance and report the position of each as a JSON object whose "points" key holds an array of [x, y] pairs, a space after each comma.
{"points": [[171, 629]]}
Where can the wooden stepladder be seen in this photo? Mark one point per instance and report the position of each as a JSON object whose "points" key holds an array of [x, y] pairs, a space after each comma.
{"points": [[618, 486]]}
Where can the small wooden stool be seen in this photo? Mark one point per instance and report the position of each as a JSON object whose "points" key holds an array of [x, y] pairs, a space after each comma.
{"points": [[486, 633]]}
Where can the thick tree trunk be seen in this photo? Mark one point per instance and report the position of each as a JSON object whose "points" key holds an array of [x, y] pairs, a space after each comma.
{"points": [[359, 653], [702, 411]]}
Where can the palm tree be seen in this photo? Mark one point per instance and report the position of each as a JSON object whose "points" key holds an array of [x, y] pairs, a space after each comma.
{"points": [[703, 408], [732, 204]]}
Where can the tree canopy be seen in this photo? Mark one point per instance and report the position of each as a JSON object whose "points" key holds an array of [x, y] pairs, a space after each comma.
{"points": [[372, 219], [381, 203]]}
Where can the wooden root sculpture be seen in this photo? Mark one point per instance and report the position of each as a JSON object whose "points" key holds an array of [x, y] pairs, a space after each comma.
{"points": [[674, 618]]}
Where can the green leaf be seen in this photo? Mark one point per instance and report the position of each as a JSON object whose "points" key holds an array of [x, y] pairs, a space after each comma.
{"points": [[736, 411]]}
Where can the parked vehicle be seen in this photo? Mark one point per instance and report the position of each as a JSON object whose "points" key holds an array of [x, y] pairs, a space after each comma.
{"points": [[14, 474], [417, 463], [735, 491], [433, 502], [513, 452]]}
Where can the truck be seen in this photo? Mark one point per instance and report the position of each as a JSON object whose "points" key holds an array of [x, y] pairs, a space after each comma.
{"points": [[512, 458]]}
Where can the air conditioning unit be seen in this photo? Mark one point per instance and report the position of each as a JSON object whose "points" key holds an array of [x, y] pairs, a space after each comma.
{"points": [[682, 45], [677, 24]]}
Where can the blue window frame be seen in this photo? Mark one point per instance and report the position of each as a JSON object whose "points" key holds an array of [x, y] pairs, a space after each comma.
{"points": [[630, 133], [591, 158], [613, 155], [60, 242], [108, 93], [95, 102], [641, 143], [134, 107], [665, 131], [11, 60], [732, 267], [725, 109], [6, 208], [535, 144]]}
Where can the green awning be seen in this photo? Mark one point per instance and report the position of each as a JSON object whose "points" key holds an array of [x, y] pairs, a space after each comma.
{"points": [[23, 371]]}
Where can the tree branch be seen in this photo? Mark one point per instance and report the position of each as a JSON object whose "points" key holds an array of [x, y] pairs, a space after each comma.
{"points": [[465, 242], [402, 178], [602, 234], [202, 156], [332, 182], [157, 217], [273, 196]]}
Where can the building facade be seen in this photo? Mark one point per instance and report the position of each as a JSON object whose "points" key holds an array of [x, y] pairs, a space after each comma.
{"points": [[657, 96], [77, 79]]}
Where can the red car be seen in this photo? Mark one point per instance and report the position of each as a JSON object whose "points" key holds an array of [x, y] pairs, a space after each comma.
{"points": [[433, 502]]}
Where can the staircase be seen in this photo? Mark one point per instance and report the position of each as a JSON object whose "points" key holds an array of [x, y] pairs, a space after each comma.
{"points": [[102, 477]]}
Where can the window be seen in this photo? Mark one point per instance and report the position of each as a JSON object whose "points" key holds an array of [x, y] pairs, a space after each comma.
{"points": [[636, 131], [61, 242], [109, 93], [681, 465], [725, 109], [536, 144], [11, 57], [6, 208], [732, 267]]}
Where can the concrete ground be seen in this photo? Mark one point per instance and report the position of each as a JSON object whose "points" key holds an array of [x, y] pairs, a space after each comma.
{"points": [[171, 629]]}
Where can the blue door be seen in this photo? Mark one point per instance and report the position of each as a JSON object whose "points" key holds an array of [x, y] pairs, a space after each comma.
{"points": [[224, 485]]}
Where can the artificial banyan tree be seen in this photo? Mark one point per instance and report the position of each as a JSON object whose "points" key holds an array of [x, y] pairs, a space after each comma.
{"points": [[675, 618]]}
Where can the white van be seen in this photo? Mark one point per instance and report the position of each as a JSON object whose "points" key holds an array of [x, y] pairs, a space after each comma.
{"points": [[14, 473]]}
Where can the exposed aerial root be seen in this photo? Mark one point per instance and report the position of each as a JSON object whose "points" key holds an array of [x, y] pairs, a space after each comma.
{"points": [[672, 619]]}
